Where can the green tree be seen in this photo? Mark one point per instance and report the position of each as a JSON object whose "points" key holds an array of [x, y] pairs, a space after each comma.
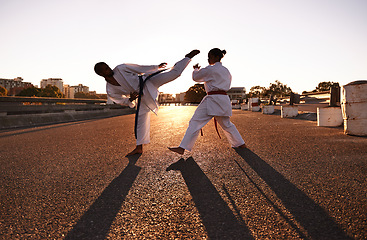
{"points": [[257, 91], [50, 91], [324, 86], [29, 92], [3, 91], [195, 93], [278, 89]]}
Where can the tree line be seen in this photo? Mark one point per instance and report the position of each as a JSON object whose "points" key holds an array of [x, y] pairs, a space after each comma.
{"points": [[277, 89], [48, 91]]}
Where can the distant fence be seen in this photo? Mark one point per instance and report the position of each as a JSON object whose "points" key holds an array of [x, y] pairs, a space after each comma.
{"points": [[35, 105], [313, 97], [34, 111], [316, 96]]}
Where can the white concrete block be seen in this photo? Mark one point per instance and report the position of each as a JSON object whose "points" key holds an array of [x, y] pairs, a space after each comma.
{"points": [[329, 117], [289, 111]]}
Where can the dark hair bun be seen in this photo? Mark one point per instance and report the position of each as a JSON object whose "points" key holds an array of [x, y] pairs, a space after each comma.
{"points": [[217, 52]]}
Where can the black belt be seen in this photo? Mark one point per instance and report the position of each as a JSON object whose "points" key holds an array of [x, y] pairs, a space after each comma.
{"points": [[141, 87]]}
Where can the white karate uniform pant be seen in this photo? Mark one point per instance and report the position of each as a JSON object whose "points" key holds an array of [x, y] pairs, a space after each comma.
{"points": [[143, 128], [200, 119]]}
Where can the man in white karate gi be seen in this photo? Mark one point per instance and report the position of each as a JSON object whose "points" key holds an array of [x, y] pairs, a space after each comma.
{"points": [[123, 86]]}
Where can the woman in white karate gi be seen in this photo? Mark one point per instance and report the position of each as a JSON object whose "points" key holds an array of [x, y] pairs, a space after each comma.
{"points": [[217, 81], [123, 87]]}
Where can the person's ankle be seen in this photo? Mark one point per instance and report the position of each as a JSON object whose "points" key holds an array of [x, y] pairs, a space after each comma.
{"points": [[178, 150]]}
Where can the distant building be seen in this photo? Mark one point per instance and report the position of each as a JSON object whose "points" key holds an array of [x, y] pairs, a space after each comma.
{"points": [[80, 88], [180, 97], [165, 97], [14, 86], [237, 93], [53, 82], [68, 91]]}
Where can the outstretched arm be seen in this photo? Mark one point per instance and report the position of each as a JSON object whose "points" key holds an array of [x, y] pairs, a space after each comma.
{"points": [[162, 65], [198, 74]]}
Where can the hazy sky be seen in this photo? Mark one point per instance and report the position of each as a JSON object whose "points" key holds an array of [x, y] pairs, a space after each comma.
{"points": [[298, 42]]}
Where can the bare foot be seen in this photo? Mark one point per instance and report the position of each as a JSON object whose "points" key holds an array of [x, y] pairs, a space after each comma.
{"points": [[137, 150], [242, 146], [192, 53], [178, 150]]}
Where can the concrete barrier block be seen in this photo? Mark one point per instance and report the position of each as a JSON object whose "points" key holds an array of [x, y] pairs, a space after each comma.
{"points": [[354, 92], [356, 110], [244, 106], [329, 117], [268, 109], [289, 111], [354, 106], [357, 127]]}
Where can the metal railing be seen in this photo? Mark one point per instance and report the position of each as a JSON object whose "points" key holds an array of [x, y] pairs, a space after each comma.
{"points": [[36, 105]]}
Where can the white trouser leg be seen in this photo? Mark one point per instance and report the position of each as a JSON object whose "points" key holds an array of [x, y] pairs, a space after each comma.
{"points": [[143, 128], [168, 76], [230, 130], [197, 122]]}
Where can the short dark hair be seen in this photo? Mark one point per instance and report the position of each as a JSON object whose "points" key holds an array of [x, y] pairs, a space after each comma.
{"points": [[98, 67], [217, 52]]}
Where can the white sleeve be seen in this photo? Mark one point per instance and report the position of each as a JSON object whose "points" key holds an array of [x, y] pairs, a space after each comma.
{"points": [[122, 100], [141, 68], [199, 75], [119, 98]]}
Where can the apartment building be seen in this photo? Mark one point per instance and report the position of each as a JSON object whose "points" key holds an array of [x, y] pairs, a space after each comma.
{"points": [[54, 82], [237, 93], [14, 86]]}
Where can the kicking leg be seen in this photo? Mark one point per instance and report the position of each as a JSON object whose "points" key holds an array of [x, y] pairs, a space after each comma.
{"points": [[175, 72]]}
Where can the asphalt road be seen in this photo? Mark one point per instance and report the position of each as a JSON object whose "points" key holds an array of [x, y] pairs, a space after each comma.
{"points": [[73, 181]]}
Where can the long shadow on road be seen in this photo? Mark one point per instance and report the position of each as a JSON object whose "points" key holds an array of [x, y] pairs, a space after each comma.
{"points": [[217, 217], [313, 218], [96, 222]]}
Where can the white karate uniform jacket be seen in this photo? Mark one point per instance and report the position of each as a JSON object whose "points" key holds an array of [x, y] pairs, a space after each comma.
{"points": [[127, 76], [215, 77]]}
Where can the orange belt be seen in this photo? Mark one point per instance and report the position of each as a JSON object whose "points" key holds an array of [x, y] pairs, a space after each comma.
{"points": [[216, 128]]}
